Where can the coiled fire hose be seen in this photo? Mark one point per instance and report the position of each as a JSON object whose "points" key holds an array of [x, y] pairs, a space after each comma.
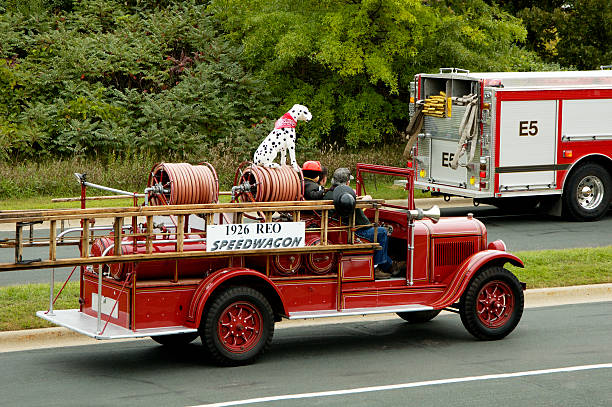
{"points": [[468, 131], [254, 183], [182, 183]]}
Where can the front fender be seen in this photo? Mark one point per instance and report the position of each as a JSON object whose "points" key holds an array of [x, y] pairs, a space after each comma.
{"points": [[468, 269], [208, 286]]}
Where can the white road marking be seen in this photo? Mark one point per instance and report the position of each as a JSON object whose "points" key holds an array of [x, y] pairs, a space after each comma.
{"points": [[409, 385]]}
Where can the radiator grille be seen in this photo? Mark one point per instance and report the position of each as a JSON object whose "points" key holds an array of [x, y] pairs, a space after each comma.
{"points": [[450, 253]]}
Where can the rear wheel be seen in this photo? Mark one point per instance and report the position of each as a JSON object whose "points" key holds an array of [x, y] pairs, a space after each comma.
{"points": [[587, 192], [238, 326], [176, 339], [419, 317], [492, 304]]}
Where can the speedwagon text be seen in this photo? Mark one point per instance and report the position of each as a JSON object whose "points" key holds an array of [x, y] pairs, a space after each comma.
{"points": [[273, 235]]}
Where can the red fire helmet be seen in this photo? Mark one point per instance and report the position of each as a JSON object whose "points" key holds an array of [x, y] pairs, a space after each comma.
{"points": [[311, 166]]}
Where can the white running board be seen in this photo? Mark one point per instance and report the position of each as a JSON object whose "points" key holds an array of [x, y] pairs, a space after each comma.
{"points": [[87, 325], [359, 311]]}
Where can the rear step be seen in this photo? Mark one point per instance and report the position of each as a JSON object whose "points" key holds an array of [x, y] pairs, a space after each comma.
{"points": [[87, 325]]}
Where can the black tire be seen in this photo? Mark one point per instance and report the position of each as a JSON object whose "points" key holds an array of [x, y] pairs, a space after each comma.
{"points": [[419, 317], [244, 317], [175, 339], [587, 193], [492, 319]]}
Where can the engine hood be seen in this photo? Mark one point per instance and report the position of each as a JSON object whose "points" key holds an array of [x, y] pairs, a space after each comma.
{"points": [[454, 226]]}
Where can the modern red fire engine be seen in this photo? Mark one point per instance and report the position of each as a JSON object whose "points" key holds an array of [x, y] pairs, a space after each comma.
{"points": [[515, 138], [184, 265]]}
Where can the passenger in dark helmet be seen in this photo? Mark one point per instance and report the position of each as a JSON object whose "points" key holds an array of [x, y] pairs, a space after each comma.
{"points": [[385, 267]]}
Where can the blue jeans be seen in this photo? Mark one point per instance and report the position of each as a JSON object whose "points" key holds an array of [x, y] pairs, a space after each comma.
{"points": [[381, 259]]}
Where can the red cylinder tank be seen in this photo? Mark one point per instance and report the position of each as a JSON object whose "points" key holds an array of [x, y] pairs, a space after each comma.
{"points": [[158, 269]]}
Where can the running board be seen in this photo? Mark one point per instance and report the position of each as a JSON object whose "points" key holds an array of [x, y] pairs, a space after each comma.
{"points": [[359, 311], [77, 321]]}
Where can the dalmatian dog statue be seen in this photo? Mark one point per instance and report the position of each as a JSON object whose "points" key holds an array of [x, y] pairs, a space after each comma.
{"points": [[282, 138]]}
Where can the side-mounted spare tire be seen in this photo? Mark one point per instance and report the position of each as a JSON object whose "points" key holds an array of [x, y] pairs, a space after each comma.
{"points": [[175, 339], [419, 317], [492, 305]]}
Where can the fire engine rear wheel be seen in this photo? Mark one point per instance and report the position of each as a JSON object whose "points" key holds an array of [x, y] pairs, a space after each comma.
{"points": [[419, 317], [587, 193], [176, 339], [492, 304], [238, 326]]}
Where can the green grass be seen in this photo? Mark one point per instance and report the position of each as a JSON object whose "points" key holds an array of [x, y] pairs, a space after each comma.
{"points": [[44, 202], [560, 268], [385, 189], [55, 177], [18, 304], [547, 268], [382, 189]]}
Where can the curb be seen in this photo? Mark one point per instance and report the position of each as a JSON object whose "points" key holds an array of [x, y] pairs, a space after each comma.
{"points": [[569, 295], [11, 341]]}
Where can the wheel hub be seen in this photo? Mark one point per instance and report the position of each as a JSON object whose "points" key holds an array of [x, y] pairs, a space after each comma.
{"points": [[495, 304], [239, 327], [590, 192]]}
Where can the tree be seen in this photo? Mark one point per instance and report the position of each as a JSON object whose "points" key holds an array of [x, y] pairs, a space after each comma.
{"points": [[572, 33], [351, 61]]}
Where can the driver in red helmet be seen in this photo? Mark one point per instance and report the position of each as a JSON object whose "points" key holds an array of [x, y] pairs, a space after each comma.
{"points": [[312, 171]]}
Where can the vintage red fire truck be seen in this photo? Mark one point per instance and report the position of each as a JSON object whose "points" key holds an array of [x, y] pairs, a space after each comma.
{"points": [[185, 265], [516, 138]]}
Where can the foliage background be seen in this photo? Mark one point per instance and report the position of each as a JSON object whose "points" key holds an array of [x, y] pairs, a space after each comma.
{"points": [[109, 80]]}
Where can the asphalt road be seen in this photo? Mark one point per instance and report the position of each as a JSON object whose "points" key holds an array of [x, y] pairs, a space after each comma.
{"points": [[535, 231], [336, 358], [520, 231]]}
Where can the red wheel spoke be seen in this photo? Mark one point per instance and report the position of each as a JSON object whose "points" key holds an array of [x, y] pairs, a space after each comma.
{"points": [[494, 304], [242, 330]]}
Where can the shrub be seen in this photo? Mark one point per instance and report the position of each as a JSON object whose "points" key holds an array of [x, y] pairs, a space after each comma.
{"points": [[105, 76]]}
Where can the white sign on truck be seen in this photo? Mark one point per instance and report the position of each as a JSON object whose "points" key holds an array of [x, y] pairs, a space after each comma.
{"points": [[251, 236]]}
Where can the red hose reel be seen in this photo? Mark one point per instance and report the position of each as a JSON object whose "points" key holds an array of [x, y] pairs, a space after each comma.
{"points": [[182, 183]]}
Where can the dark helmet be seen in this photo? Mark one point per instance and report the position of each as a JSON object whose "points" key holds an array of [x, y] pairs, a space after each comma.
{"points": [[344, 200]]}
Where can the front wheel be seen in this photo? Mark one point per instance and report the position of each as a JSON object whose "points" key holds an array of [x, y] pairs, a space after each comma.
{"points": [[587, 193], [238, 326], [492, 305]]}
